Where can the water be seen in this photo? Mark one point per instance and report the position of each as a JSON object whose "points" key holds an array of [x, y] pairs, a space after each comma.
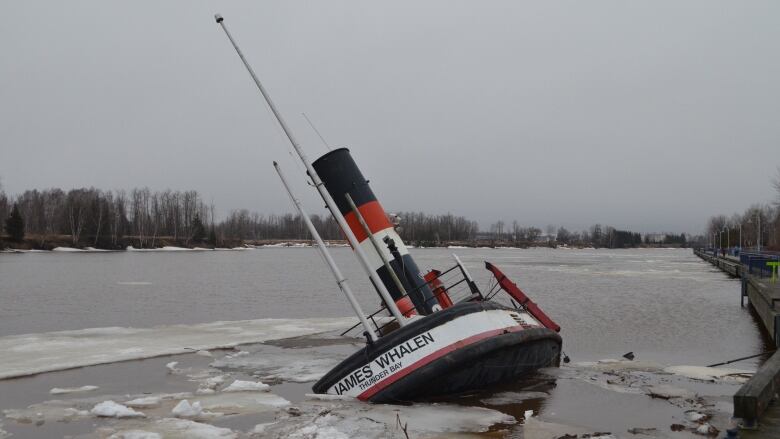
{"points": [[664, 305]]}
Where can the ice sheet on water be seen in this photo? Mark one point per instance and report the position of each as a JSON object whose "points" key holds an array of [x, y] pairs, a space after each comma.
{"points": [[271, 363], [611, 365], [3, 434], [135, 434], [703, 373], [35, 353], [175, 428], [64, 390], [242, 402], [49, 411], [346, 419]]}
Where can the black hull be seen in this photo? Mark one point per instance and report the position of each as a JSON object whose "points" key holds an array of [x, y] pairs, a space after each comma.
{"points": [[503, 357]]}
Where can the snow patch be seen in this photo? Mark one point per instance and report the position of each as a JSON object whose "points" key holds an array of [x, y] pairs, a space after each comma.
{"points": [[66, 249], [111, 409], [64, 390]]}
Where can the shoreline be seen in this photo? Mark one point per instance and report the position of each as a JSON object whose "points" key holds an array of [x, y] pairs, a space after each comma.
{"points": [[35, 245]]}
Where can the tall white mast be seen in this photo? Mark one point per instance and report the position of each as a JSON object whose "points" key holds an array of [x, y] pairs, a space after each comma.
{"points": [[340, 279], [315, 178]]}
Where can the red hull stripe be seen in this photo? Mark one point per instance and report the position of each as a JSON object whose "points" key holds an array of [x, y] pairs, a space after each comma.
{"points": [[433, 356], [375, 217]]}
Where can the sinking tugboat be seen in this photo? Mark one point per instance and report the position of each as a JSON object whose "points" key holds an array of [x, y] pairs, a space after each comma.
{"points": [[443, 335]]}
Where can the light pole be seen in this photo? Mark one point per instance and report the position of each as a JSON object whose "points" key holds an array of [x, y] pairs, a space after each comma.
{"points": [[758, 240], [740, 237]]}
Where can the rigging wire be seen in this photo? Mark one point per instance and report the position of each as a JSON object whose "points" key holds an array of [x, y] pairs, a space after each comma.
{"points": [[317, 131]]}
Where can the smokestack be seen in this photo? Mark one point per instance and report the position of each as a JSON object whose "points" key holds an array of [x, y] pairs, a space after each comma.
{"points": [[341, 176]]}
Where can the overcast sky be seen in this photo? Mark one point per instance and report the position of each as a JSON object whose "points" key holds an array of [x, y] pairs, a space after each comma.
{"points": [[645, 116]]}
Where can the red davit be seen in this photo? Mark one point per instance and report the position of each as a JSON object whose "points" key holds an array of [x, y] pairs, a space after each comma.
{"points": [[512, 289]]}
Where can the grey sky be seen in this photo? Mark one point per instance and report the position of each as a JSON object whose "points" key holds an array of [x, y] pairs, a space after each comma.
{"points": [[647, 116]]}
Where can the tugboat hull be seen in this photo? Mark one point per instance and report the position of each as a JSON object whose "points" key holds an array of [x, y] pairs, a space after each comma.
{"points": [[466, 347]]}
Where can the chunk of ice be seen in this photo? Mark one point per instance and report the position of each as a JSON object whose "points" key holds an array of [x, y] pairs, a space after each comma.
{"points": [[246, 386], [111, 409], [63, 390], [186, 410]]}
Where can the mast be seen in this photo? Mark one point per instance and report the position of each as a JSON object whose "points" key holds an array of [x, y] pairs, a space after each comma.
{"points": [[340, 279], [315, 178]]}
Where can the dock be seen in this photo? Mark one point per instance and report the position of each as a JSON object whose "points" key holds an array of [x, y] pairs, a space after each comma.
{"points": [[756, 402]]}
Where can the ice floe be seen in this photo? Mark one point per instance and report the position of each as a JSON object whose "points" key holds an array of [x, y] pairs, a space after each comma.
{"points": [[242, 402], [145, 402], [172, 367], [135, 434], [246, 386], [271, 363], [29, 354], [64, 390], [111, 409], [346, 419], [175, 428], [703, 373]]}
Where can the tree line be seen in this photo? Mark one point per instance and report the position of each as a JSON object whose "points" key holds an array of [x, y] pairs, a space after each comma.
{"points": [[105, 219], [596, 236], [759, 223], [144, 218]]}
